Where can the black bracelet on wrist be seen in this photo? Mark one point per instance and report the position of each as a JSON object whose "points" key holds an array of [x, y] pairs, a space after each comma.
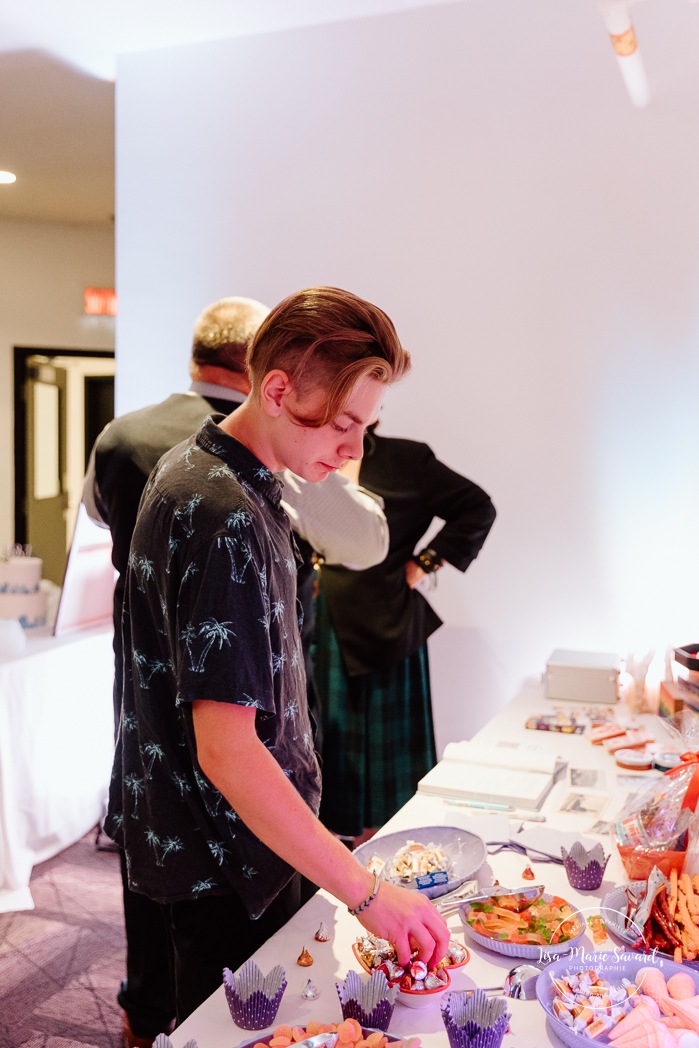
{"points": [[429, 560]]}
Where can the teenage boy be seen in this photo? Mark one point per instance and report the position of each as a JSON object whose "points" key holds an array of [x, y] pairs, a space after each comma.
{"points": [[215, 786], [336, 519]]}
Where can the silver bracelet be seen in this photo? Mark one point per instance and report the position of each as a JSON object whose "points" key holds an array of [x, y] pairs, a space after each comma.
{"points": [[369, 899]]}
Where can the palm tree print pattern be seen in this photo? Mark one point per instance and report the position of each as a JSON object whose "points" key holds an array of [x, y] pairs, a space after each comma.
{"points": [[147, 668], [185, 514], [142, 568], [213, 632], [211, 597], [153, 751], [218, 851], [163, 848]]}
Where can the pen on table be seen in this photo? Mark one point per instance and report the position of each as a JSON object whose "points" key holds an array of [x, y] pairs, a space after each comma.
{"points": [[483, 806]]}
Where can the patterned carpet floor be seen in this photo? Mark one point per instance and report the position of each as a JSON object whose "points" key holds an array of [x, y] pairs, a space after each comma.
{"points": [[61, 963]]}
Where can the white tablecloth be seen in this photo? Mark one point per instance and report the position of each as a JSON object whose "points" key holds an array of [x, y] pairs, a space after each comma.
{"points": [[211, 1025], [56, 745]]}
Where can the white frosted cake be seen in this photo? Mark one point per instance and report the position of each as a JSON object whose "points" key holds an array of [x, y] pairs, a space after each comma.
{"points": [[21, 596]]}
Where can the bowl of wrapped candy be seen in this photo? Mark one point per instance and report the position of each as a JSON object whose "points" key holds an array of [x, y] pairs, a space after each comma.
{"points": [[417, 985]]}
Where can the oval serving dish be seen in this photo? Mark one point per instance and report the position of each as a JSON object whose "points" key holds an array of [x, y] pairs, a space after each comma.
{"points": [[614, 966], [530, 951]]}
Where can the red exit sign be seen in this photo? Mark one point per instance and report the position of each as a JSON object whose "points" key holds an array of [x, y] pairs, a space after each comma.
{"points": [[100, 301]]}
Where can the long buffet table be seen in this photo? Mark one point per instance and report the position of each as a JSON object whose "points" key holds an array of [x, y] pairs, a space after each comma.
{"points": [[211, 1025], [56, 747]]}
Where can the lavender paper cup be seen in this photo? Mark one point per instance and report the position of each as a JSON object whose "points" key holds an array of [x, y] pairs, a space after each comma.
{"points": [[370, 1001], [254, 998], [474, 1021], [584, 869]]}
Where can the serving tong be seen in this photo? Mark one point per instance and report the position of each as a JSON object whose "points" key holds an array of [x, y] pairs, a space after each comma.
{"points": [[319, 1040], [464, 896]]}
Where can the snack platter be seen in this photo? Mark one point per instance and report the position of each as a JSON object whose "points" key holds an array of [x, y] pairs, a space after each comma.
{"points": [[613, 909], [375, 1038], [624, 979], [571, 924]]}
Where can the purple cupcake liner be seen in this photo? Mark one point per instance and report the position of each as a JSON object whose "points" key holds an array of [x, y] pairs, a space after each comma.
{"points": [[257, 1012], [378, 1019], [369, 1001], [588, 879], [253, 999], [474, 1021], [475, 1036], [584, 872]]}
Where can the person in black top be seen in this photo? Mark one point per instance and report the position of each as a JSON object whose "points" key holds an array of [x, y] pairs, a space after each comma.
{"points": [[370, 646]]}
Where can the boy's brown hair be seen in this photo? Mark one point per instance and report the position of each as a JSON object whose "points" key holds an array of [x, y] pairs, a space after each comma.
{"points": [[326, 338]]}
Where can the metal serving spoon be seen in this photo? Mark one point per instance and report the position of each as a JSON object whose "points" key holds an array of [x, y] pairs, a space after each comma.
{"points": [[520, 983]]}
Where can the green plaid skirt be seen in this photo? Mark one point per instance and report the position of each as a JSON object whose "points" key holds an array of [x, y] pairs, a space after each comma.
{"points": [[378, 736]]}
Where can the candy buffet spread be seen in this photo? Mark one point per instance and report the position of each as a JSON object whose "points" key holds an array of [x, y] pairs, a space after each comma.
{"points": [[612, 921]]}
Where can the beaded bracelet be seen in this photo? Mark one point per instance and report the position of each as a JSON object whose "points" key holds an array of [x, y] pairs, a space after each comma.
{"points": [[369, 899], [429, 560]]}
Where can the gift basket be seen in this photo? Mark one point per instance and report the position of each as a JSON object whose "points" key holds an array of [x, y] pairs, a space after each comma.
{"points": [[651, 830]]}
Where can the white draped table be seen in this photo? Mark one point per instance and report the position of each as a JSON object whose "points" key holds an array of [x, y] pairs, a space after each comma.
{"points": [[211, 1025], [56, 746]]}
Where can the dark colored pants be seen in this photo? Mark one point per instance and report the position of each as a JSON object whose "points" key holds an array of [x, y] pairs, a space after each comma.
{"points": [[147, 994], [215, 932], [177, 953]]}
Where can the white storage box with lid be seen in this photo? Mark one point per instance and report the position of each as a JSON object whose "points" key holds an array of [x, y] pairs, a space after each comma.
{"points": [[582, 676]]}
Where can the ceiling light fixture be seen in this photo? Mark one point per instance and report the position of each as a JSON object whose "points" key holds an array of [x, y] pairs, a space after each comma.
{"points": [[7, 177]]}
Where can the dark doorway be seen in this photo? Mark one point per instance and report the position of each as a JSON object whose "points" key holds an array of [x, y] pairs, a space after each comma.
{"points": [[99, 408], [49, 419]]}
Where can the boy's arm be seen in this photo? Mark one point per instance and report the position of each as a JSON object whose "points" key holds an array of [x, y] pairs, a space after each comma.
{"points": [[245, 772], [341, 521]]}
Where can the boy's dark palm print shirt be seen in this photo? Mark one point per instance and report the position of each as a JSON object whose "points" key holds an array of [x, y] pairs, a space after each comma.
{"points": [[210, 613]]}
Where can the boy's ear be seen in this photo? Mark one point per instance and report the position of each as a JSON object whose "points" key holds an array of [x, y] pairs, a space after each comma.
{"points": [[275, 386]]}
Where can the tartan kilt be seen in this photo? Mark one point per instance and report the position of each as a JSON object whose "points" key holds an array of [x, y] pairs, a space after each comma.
{"points": [[378, 734]]}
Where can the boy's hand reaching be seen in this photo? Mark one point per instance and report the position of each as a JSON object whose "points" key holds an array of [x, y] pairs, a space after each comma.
{"points": [[408, 920]]}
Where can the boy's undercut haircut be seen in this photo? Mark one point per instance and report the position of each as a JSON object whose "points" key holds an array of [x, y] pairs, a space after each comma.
{"points": [[326, 338], [224, 331]]}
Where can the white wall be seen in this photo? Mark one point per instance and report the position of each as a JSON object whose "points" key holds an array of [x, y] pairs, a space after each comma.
{"points": [[44, 268], [477, 170]]}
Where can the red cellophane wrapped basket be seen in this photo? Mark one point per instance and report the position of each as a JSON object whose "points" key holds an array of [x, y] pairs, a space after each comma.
{"points": [[651, 829]]}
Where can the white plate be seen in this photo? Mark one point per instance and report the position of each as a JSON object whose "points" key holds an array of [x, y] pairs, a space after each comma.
{"points": [[465, 851], [615, 966], [515, 949]]}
